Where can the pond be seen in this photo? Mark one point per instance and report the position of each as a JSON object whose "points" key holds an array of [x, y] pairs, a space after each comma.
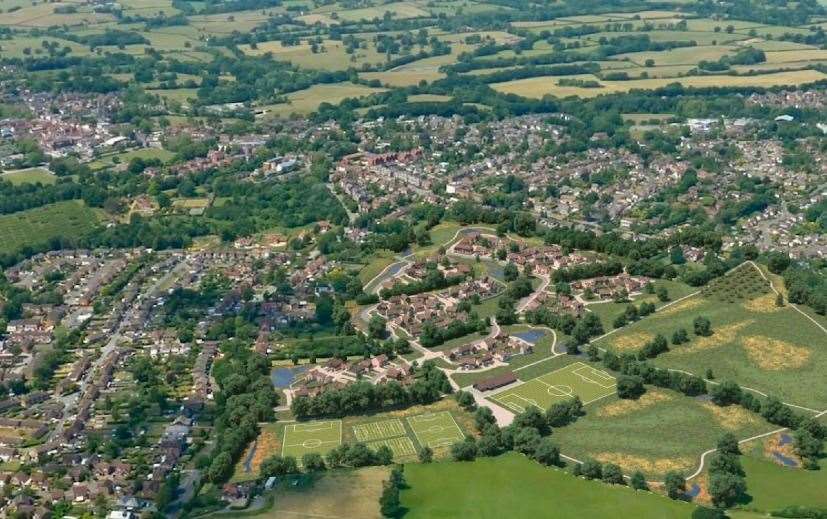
{"points": [[694, 490], [531, 336], [283, 377], [786, 461]]}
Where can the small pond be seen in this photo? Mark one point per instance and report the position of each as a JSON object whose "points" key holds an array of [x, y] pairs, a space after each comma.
{"points": [[531, 336], [283, 377]]}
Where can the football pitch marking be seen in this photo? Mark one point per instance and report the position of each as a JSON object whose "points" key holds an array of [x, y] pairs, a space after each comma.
{"points": [[576, 379], [380, 430], [302, 438], [435, 429]]}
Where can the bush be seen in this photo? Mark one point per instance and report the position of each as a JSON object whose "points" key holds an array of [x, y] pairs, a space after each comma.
{"points": [[612, 474], [465, 450], [630, 387], [591, 469], [638, 481]]}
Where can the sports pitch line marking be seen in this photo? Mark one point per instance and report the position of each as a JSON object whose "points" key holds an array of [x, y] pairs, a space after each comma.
{"points": [[310, 443], [456, 433]]}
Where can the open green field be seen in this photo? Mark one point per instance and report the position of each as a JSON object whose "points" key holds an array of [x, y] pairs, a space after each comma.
{"points": [[609, 310], [435, 429], [319, 437], [661, 431], [29, 176], [773, 349], [308, 100], [34, 226], [773, 487], [577, 379], [331, 55], [334, 494], [381, 430], [539, 86], [514, 486], [111, 159]]}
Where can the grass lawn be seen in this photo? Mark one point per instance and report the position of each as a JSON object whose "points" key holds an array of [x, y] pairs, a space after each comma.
{"points": [[29, 176], [589, 383], [35, 226], [105, 161], [661, 431], [773, 487], [609, 311], [513, 486]]}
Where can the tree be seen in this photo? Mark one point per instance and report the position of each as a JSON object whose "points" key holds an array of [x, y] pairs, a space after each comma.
{"points": [[663, 294], [778, 262], [638, 481], [612, 474], [466, 400], [547, 453], [313, 462], [279, 466], [510, 272], [728, 444], [483, 417], [220, 468], [675, 485], [725, 462], [465, 450], [702, 326], [376, 327], [527, 440], [630, 387], [725, 393], [426, 454], [591, 469], [702, 512], [725, 489], [680, 336], [389, 504]]}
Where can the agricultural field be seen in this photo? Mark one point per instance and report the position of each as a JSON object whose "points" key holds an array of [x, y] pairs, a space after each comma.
{"points": [[71, 219], [661, 431], [29, 176], [774, 349], [308, 100], [539, 86], [340, 493], [509, 486], [577, 379]]}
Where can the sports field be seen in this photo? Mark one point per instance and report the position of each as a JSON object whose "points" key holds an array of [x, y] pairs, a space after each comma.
{"points": [[304, 438], [435, 429], [373, 431], [578, 379], [401, 447]]}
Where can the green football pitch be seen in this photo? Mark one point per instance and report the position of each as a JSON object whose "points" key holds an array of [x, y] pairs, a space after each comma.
{"points": [[578, 379], [381, 430], [319, 437], [435, 429]]}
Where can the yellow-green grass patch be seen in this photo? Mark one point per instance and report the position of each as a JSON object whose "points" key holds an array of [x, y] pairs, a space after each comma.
{"points": [[330, 55], [403, 78], [308, 100], [540, 86], [36, 226], [29, 176]]}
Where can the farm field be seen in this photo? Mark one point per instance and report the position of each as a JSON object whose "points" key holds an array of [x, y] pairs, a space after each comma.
{"points": [[509, 486], [331, 56], [308, 100], [339, 493], [576, 379], [539, 86], [755, 343], [661, 431], [34, 226]]}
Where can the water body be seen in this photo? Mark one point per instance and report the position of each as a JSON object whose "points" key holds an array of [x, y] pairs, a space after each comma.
{"points": [[531, 336], [694, 491], [785, 439], [283, 377], [786, 461]]}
